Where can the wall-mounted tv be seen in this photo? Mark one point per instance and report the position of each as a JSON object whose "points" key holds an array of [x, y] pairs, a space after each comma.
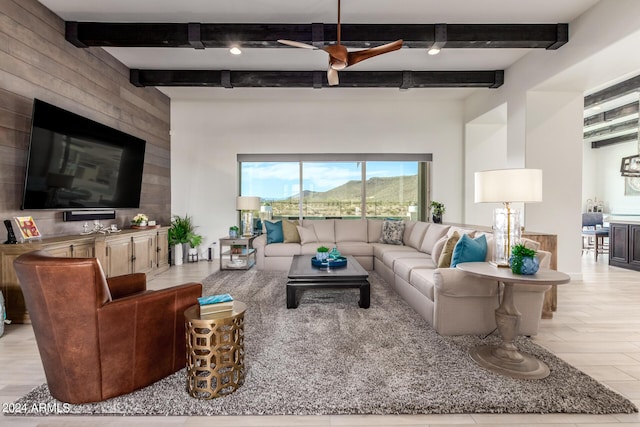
{"points": [[77, 163]]}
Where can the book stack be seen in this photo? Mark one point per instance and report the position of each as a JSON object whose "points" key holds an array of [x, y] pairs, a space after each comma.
{"points": [[215, 304]]}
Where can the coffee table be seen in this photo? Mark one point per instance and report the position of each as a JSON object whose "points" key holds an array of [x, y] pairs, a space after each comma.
{"points": [[302, 275], [505, 358]]}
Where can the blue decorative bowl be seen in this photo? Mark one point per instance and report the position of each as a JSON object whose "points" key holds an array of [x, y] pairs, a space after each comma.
{"points": [[337, 262]]}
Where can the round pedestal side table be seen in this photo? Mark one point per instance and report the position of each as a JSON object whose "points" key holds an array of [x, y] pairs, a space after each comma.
{"points": [[505, 358], [215, 351]]}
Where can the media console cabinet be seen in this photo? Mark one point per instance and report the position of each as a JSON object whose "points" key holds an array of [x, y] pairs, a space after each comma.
{"points": [[129, 251]]}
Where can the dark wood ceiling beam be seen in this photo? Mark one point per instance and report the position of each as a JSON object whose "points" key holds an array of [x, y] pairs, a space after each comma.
{"points": [[615, 113], [615, 140], [116, 34], [623, 88], [620, 127], [311, 79]]}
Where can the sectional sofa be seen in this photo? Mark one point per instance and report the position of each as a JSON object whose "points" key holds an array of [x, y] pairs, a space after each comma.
{"points": [[452, 301]]}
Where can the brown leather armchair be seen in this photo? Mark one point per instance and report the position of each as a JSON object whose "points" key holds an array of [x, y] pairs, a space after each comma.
{"points": [[99, 338]]}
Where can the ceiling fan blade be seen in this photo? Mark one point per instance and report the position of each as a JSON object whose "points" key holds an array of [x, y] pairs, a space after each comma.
{"points": [[297, 44], [332, 77], [361, 55]]}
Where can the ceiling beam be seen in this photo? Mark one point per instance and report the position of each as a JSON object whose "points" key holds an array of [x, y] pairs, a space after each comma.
{"points": [[623, 88], [311, 79], [464, 36], [615, 113], [615, 140], [613, 129]]}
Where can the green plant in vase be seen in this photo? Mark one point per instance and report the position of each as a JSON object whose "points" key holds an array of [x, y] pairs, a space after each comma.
{"points": [[181, 228], [234, 231], [523, 260], [437, 210], [322, 253]]}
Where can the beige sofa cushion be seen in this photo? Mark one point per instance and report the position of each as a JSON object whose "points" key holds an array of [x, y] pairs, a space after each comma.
{"points": [[355, 248], [403, 266], [325, 229], [374, 230], [351, 230], [461, 231], [390, 257], [307, 235], [282, 249], [437, 249], [433, 234], [417, 234], [422, 280], [408, 228], [379, 249]]}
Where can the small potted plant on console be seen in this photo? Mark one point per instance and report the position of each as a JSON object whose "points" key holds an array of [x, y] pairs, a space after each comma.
{"points": [[233, 231], [437, 209], [523, 260]]}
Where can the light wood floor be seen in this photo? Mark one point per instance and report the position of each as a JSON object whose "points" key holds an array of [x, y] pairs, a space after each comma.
{"points": [[596, 328]]}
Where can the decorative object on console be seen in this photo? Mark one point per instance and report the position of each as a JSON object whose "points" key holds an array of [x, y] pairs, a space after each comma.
{"points": [[523, 260], [27, 227], [247, 204], [322, 253], [437, 210], [11, 236], [140, 220], [233, 231], [507, 186]]}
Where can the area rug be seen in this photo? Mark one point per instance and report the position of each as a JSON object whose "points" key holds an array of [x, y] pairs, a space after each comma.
{"points": [[330, 357]]}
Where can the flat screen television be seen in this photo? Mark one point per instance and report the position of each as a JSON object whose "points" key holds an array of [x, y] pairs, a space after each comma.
{"points": [[77, 163]]}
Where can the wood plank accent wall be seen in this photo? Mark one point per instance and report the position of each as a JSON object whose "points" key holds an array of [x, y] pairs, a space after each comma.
{"points": [[37, 62]]}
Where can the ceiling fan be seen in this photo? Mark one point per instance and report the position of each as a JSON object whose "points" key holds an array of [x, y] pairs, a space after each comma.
{"points": [[340, 58]]}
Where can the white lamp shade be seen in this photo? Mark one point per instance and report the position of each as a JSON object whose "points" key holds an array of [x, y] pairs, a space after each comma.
{"points": [[247, 203], [508, 185]]}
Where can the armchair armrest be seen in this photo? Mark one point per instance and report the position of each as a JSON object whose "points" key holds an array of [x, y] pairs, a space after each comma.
{"points": [[128, 284]]}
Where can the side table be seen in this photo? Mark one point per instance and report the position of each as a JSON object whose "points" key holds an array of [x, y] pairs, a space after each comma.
{"points": [[505, 358], [244, 259], [215, 351]]}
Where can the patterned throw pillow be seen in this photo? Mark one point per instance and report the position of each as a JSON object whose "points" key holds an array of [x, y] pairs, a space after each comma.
{"points": [[392, 232]]}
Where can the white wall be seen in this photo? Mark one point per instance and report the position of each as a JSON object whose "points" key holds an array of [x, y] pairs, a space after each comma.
{"points": [[207, 135]]}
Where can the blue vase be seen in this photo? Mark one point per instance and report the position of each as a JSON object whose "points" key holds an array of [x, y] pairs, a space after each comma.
{"points": [[530, 265], [322, 256]]}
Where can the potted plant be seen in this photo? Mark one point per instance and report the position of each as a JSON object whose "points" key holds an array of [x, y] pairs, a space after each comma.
{"points": [[437, 209], [322, 253], [233, 231], [140, 220], [523, 260], [181, 228]]}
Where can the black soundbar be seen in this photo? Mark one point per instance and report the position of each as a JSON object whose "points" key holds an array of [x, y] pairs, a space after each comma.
{"points": [[88, 215]]}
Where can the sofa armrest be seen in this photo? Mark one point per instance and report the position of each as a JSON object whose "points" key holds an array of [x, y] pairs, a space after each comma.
{"points": [[127, 284], [260, 241], [457, 283]]}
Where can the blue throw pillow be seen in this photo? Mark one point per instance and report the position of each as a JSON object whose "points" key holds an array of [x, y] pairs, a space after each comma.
{"points": [[469, 250], [274, 232]]}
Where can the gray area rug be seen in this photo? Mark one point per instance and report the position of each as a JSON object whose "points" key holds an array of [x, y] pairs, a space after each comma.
{"points": [[330, 357]]}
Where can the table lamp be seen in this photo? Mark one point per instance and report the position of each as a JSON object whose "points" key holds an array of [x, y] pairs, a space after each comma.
{"points": [[247, 204], [507, 186]]}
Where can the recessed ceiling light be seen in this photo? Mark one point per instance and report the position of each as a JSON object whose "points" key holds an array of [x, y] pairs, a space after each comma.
{"points": [[597, 107], [235, 50], [434, 51]]}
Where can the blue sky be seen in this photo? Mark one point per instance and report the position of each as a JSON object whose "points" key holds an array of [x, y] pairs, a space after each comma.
{"points": [[280, 180]]}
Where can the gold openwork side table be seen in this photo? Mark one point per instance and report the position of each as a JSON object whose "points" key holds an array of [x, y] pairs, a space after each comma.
{"points": [[215, 351]]}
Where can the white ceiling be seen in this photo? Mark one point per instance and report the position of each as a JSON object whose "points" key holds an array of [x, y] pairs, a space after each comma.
{"points": [[309, 11]]}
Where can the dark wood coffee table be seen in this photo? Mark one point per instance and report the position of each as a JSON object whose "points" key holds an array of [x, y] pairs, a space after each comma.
{"points": [[303, 275]]}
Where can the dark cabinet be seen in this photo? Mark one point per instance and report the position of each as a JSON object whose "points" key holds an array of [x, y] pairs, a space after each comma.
{"points": [[624, 245]]}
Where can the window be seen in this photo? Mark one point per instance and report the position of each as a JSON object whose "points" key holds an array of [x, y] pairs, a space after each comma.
{"points": [[337, 186]]}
